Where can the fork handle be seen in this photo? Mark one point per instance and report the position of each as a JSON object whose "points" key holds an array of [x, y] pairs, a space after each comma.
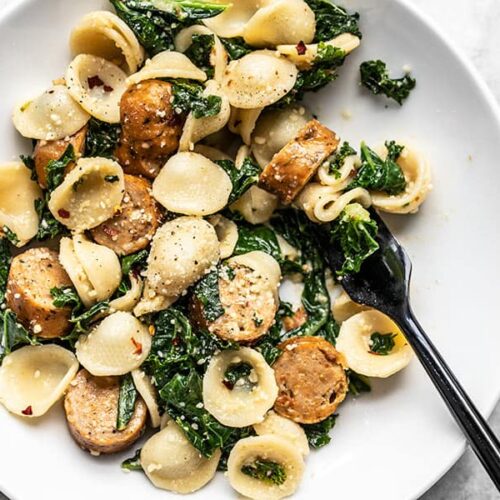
{"points": [[474, 426]]}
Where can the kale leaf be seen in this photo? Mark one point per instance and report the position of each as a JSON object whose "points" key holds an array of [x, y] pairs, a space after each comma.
{"points": [[55, 168], [382, 343], [102, 139], [12, 334], [126, 402], [236, 372], [188, 96], [318, 434], [48, 227], [10, 235], [332, 20], [242, 178], [66, 297], [354, 231], [376, 174], [337, 160], [259, 237], [266, 471], [236, 47], [133, 261], [133, 463], [375, 77], [357, 383], [199, 52], [5, 260], [207, 292]]}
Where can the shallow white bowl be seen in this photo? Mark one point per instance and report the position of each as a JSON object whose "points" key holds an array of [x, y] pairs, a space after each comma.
{"points": [[395, 442]]}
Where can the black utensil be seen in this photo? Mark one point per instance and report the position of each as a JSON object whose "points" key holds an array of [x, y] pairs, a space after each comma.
{"points": [[383, 283]]}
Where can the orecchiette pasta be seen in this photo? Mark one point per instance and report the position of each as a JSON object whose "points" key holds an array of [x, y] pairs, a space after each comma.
{"points": [[339, 180], [242, 122], [105, 35], [346, 41], [33, 378], [355, 343], [168, 64], [250, 398], [18, 193], [256, 206], [90, 194], [145, 388], [117, 345], [281, 22], [172, 463], [98, 85], [211, 153], [181, 185], [227, 233], [258, 79], [269, 448], [283, 427], [418, 184], [50, 116], [344, 307], [128, 301], [231, 23], [325, 204], [196, 129], [275, 129]]}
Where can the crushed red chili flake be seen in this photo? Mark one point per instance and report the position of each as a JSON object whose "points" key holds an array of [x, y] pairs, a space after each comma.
{"points": [[63, 213], [110, 231], [137, 345], [228, 385], [301, 48], [94, 81], [107, 88], [27, 411]]}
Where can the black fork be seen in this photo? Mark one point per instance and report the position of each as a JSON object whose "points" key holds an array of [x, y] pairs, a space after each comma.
{"points": [[383, 283]]}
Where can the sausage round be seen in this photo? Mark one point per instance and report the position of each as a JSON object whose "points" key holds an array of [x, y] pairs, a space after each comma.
{"points": [[249, 306], [91, 406], [311, 378], [32, 274], [151, 128], [133, 227], [46, 151]]}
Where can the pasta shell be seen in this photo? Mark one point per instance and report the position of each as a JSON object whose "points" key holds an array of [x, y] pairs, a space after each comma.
{"points": [[90, 194], [344, 307], [340, 180], [242, 122], [181, 185], [281, 22], [167, 64], [116, 346], [354, 343], [50, 116], [256, 206], [98, 85], [145, 388], [231, 23], [271, 448], [18, 193], [211, 153], [227, 233], [258, 79], [105, 35], [172, 463], [128, 301], [240, 406], [33, 378]]}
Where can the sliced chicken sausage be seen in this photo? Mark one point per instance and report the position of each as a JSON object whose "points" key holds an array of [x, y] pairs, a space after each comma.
{"points": [[91, 406], [32, 275], [291, 168], [133, 227], [151, 128], [311, 378]]}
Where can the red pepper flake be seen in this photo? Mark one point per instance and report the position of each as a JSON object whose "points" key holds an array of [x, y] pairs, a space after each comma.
{"points": [[110, 231], [137, 345], [107, 88], [63, 213], [301, 48], [94, 81], [27, 411]]}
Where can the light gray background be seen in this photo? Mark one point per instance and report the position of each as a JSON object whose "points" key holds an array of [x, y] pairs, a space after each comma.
{"points": [[474, 27]]}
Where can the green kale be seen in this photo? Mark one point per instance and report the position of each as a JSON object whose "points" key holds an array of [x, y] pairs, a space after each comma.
{"points": [[357, 383], [48, 227], [10, 235], [337, 160], [207, 292], [238, 433], [133, 463], [375, 77], [332, 20], [66, 297], [126, 402], [236, 47], [354, 231], [12, 334], [376, 174], [318, 434], [5, 260], [29, 162], [55, 168], [102, 138], [260, 237], [188, 97], [382, 343], [235, 372], [199, 52], [242, 178], [134, 261], [266, 471]]}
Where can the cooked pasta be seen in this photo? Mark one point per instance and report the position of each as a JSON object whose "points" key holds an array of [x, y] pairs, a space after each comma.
{"points": [[34, 378], [231, 23], [116, 346], [339, 180], [211, 153], [344, 307], [145, 388], [249, 399], [256, 206], [356, 342], [227, 233], [50, 116], [128, 301], [242, 122]]}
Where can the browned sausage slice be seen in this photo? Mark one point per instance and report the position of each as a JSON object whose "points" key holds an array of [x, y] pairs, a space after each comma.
{"points": [[133, 227], [46, 151], [292, 167], [249, 306], [311, 378], [32, 275], [151, 128], [91, 406]]}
